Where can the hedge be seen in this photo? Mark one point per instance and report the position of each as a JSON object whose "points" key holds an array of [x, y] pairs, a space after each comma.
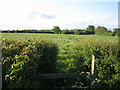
{"points": [[107, 63], [22, 61]]}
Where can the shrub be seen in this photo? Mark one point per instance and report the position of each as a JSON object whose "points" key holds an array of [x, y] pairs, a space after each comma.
{"points": [[23, 61], [107, 66]]}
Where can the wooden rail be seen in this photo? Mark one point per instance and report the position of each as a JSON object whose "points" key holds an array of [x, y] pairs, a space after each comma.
{"points": [[42, 77], [61, 75]]}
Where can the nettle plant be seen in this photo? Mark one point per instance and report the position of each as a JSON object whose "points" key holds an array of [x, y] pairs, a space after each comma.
{"points": [[23, 60]]}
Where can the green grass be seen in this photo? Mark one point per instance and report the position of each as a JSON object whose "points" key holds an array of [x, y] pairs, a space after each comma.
{"points": [[57, 37], [65, 43]]}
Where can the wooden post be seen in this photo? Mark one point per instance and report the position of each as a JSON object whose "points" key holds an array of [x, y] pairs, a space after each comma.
{"points": [[93, 65]]}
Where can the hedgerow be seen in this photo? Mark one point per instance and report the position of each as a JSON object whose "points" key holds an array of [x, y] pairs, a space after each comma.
{"points": [[23, 61], [107, 64]]}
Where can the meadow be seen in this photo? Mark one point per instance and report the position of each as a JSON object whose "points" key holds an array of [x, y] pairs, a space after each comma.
{"points": [[63, 41], [74, 53]]}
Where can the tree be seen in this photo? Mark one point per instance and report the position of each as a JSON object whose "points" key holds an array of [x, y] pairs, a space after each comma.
{"points": [[56, 29], [116, 32], [77, 32], [90, 29], [100, 30]]}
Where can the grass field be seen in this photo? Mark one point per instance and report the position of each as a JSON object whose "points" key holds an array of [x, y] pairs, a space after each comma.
{"points": [[65, 43], [59, 38]]}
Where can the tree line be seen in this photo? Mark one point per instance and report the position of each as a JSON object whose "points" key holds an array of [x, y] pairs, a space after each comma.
{"points": [[100, 30]]}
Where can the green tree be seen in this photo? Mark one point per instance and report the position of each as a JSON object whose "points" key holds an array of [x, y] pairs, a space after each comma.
{"points": [[101, 30], [77, 32], [116, 32], [56, 29], [90, 29]]}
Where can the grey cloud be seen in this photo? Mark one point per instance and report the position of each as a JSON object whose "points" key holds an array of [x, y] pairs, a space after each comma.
{"points": [[47, 16], [33, 14]]}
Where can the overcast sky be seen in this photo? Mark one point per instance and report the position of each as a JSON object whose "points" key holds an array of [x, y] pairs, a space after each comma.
{"points": [[67, 14]]}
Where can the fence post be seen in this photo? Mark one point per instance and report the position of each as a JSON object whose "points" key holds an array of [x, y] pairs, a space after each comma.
{"points": [[93, 65]]}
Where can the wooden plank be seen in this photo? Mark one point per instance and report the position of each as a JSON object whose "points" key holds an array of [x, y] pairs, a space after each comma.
{"points": [[59, 76]]}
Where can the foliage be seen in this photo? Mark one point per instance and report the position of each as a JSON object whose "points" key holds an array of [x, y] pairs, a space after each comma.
{"points": [[91, 29], [56, 29], [67, 31], [107, 66], [23, 61], [80, 32], [29, 31], [77, 32], [101, 30], [68, 59], [116, 32]]}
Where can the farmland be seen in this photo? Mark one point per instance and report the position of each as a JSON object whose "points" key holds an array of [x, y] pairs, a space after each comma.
{"points": [[65, 42], [74, 53]]}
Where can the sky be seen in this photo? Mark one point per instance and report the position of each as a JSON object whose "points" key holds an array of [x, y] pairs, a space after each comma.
{"points": [[67, 14]]}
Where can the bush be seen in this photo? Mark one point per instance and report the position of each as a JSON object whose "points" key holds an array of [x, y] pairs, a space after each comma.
{"points": [[107, 66], [23, 61]]}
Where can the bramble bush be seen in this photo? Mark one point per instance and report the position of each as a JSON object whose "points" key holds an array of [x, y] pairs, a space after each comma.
{"points": [[22, 61]]}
